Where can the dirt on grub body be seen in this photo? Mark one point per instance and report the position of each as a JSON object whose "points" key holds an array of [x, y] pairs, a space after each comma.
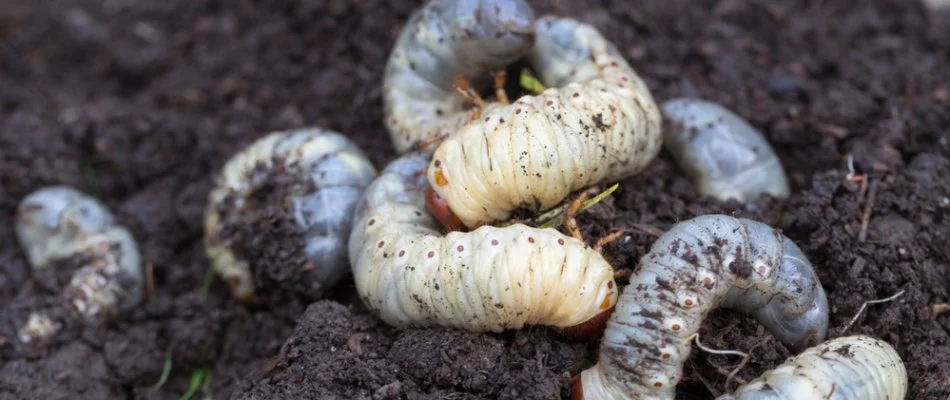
{"points": [[140, 103]]}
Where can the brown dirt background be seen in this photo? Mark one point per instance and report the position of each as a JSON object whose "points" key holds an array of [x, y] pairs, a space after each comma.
{"points": [[140, 102]]}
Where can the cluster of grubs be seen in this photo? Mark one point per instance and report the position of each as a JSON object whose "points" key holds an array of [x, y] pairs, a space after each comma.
{"points": [[427, 242]]}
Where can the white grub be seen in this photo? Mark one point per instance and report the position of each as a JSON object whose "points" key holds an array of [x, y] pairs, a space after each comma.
{"points": [[490, 279], [846, 368], [470, 38], [331, 172], [724, 156], [697, 266], [55, 223], [596, 123]]}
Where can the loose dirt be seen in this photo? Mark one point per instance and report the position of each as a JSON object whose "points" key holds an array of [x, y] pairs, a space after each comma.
{"points": [[140, 103]]}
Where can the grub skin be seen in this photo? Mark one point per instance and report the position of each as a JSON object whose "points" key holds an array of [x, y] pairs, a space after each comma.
{"points": [[324, 175], [701, 264], [721, 152], [846, 368], [490, 279], [597, 123], [442, 40], [59, 223]]}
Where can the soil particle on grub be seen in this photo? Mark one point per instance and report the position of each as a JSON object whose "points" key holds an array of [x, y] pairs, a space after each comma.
{"points": [[280, 268], [141, 103]]}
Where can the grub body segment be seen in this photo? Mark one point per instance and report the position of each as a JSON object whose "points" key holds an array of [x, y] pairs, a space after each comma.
{"points": [[326, 174], [57, 223], [846, 368], [445, 38], [721, 152], [698, 265], [598, 123], [490, 279]]}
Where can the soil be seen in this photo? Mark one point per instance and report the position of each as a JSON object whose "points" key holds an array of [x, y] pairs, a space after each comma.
{"points": [[140, 103]]}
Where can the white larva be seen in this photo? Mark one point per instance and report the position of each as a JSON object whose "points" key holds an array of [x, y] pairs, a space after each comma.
{"points": [[846, 368], [329, 174], [59, 222], [599, 124], [724, 156], [698, 265], [440, 40], [490, 279]]}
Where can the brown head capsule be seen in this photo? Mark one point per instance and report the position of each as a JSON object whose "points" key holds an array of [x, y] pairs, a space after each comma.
{"points": [[437, 207]]}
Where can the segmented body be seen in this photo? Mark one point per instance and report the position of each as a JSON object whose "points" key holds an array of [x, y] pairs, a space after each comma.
{"points": [[846, 368], [490, 279], [59, 222], [444, 38], [599, 124], [328, 174], [698, 265], [724, 156]]}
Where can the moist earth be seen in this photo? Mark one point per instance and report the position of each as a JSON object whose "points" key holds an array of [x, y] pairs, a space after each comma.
{"points": [[140, 103]]}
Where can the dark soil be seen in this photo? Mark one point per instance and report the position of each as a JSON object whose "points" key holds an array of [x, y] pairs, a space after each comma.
{"points": [[280, 265], [141, 102]]}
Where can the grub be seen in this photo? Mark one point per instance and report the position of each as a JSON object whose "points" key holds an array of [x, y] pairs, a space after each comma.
{"points": [[147, 141]]}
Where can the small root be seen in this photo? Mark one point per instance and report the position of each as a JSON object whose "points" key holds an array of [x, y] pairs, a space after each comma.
{"points": [[695, 338], [725, 331], [941, 308], [732, 376], [853, 177], [709, 386], [866, 216], [865, 305]]}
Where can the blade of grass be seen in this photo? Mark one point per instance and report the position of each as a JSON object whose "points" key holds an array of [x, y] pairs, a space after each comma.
{"points": [[556, 217], [166, 372], [206, 386], [529, 82], [197, 379], [206, 283]]}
